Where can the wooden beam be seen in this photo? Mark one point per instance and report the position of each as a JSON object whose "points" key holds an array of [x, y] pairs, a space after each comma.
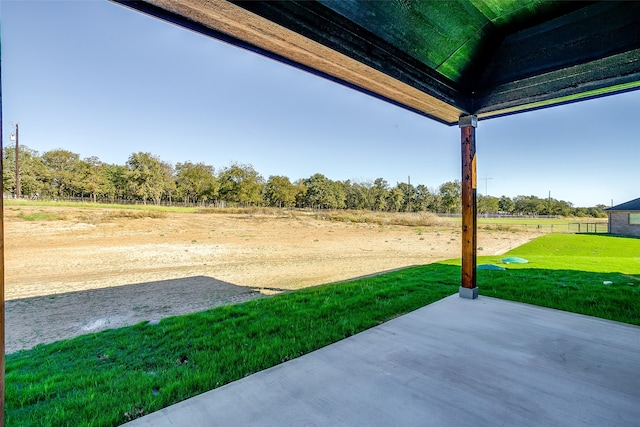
{"points": [[587, 53], [322, 42], [2, 325], [468, 288]]}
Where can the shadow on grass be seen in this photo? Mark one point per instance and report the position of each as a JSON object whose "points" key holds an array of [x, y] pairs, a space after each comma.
{"points": [[622, 236]]}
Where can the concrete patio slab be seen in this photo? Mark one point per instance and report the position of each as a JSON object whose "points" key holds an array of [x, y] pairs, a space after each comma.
{"points": [[456, 362]]}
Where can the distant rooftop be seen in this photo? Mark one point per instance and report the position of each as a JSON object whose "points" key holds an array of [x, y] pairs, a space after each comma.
{"points": [[633, 205]]}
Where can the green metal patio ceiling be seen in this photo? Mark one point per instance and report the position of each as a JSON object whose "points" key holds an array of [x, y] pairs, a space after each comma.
{"points": [[442, 59]]}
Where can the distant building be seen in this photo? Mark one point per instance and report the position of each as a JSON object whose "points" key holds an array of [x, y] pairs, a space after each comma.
{"points": [[625, 218]]}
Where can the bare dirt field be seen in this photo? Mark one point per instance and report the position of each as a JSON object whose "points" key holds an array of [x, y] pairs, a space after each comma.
{"points": [[90, 270]]}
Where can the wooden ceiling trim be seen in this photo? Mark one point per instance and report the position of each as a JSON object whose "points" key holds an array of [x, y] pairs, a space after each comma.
{"points": [[597, 31], [266, 36], [528, 71], [568, 99], [596, 78]]}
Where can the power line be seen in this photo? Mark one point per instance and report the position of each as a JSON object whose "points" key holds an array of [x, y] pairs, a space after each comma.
{"points": [[486, 193]]}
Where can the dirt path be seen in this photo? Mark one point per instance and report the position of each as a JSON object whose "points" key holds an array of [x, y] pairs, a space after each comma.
{"points": [[91, 271]]}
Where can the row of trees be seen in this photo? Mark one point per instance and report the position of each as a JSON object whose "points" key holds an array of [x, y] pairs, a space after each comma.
{"points": [[145, 178]]}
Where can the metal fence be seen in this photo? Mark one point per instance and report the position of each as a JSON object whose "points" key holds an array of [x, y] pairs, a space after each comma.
{"points": [[538, 223], [589, 227], [571, 227]]}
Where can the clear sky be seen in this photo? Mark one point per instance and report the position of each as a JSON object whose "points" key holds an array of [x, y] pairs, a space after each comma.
{"points": [[99, 79]]}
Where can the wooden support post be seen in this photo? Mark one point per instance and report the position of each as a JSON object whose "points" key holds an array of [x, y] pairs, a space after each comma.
{"points": [[468, 288], [2, 346]]}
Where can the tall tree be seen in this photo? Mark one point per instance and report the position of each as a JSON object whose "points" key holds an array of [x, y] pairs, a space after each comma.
{"points": [[147, 177], [597, 211], [196, 182], [528, 205], [279, 192], [380, 194], [365, 190], [395, 199], [30, 168], [116, 184], [424, 200], [168, 181], [560, 207], [323, 193], [357, 195], [505, 204], [63, 172], [451, 196], [487, 204], [92, 177], [241, 183], [408, 197], [301, 193]]}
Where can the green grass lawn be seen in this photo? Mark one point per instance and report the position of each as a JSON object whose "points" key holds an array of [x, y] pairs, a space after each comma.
{"points": [[568, 272], [108, 378]]}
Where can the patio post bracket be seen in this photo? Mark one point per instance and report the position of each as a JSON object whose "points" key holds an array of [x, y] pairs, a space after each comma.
{"points": [[468, 288]]}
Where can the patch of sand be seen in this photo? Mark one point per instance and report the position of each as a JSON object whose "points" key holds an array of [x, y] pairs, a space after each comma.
{"points": [[90, 272]]}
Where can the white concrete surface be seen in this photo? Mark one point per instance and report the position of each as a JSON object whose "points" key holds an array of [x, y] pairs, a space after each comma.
{"points": [[457, 362]]}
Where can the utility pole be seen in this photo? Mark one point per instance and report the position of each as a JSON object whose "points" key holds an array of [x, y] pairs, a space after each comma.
{"points": [[409, 190], [486, 192], [2, 312], [15, 138]]}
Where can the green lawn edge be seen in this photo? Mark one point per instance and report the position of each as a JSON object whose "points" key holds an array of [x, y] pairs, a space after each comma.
{"points": [[111, 377]]}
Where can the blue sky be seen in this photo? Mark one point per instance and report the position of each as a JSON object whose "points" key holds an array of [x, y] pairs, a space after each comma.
{"points": [[101, 80]]}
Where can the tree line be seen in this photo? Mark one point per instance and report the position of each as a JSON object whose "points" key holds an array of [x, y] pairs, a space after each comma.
{"points": [[145, 178]]}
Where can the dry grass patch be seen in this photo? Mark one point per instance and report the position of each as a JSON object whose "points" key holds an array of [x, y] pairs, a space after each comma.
{"points": [[134, 214], [410, 219]]}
